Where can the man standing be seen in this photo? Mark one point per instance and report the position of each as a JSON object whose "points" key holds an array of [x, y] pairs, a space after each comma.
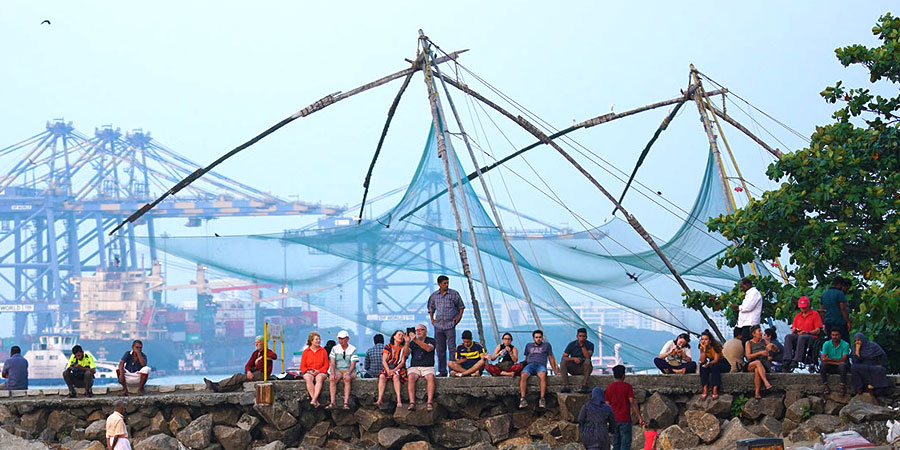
{"points": [[468, 358], [421, 364], [576, 360], [835, 354], [15, 370], [116, 432], [80, 372], [805, 329], [537, 354], [343, 361], [749, 311], [373, 357], [445, 307], [133, 368], [253, 370], [620, 396], [834, 302]]}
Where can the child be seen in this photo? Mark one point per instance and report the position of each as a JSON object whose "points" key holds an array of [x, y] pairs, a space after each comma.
{"points": [[650, 433]]}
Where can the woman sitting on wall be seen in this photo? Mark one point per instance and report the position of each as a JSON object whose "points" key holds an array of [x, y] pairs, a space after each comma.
{"points": [[508, 354], [393, 366], [314, 367], [867, 370], [675, 356], [712, 364], [757, 353]]}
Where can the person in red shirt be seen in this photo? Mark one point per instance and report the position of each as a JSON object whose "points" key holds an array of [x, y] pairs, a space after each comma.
{"points": [[620, 396], [806, 328], [253, 370], [314, 367]]}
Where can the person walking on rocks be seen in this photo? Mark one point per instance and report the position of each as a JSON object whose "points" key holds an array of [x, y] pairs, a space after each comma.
{"points": [[576, 360], [133, 368], [835, 356], [343, 361], [253, 370], [749, 311], [116, 432], [80, 372], [596, 419], [421, 365], [537, 354], [620, 396], [445, 307]]}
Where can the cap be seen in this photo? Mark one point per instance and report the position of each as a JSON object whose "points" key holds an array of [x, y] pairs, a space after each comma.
{"points": [[803, 302], [343, 334], [259, 338]]}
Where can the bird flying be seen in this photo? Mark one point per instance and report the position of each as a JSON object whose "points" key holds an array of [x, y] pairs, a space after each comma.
{"points": [[46, 21]]}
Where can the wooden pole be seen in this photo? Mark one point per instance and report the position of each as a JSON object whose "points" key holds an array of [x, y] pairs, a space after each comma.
{"points": [[524, 123], [497, 221], [442, 153], [774, 151]]}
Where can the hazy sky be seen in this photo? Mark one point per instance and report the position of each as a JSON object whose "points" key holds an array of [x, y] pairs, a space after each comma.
{"points": [[205, 76]]}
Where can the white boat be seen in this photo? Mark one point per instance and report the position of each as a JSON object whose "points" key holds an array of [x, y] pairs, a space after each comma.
{"points": [[49, 356]]}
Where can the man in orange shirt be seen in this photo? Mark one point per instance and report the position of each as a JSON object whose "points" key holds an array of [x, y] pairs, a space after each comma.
{"points": [[253, 370], [806, 328]]}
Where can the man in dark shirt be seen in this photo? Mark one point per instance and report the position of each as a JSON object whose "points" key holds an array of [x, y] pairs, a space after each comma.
{"points": [[253, 370], [133, 368], [834, 303], [576, 360], [445, 307], [421, 364], [468, 358], [373, 357], [15, 370]]}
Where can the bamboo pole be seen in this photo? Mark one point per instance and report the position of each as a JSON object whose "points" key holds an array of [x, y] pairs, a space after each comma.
{"points": [[496, 215], [524, 123], [774, 151], [442, 153], [315, 106]]}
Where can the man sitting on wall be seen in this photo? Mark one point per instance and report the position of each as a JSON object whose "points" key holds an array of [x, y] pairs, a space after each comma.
{"points": [[80, 372], [133, 368], [253, 370], [469, 361], [15, 370]]}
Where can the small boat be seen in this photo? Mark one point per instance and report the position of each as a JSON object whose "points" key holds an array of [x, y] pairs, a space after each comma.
{"points": [[48, 358]]}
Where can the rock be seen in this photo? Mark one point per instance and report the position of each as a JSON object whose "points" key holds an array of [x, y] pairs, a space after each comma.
{"points": [[482, 446], [47, 435], [276, 416], [768, 426], [498, 427], [674, 437], [6, 415], [96, 431], [157, 425], [60, 420], [816, 403], [214, 446], [534, 446], [515, 443], [521, 419], [797, 410], [637, 437], [788, 425], [732, 431], [418, 418], [372, 420], [248, 422], [704, 425], [756, 408], [276, 445], [660, 408], [867, 398], [310, 418], [225, 416], [83, 445], [836, 397], [342, 432], [288, 437], [96, 415], [457, 433], [541, 426], [77, 434], [418, 445], [392, 437], [571, 446], [198, 434], [180, 418], [790, 397], [832, 408], [318, 434], [342, 416], [231, 438], [823, 423], [137, 421], [570, 405], [802, 434], [860, 411], [875, 432], [720, 407], [159, 442], [34, 421], [23, 433]]}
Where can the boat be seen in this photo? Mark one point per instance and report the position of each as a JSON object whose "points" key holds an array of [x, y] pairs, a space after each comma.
{"points": [[48, 358]]}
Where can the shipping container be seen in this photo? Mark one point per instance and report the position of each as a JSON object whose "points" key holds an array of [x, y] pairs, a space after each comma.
{"points": [[177, 336], [193, 327], [176, 316], [193, 338], [176, 327]]}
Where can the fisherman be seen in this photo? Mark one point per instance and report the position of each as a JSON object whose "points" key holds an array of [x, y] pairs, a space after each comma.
{"points": [[116, 432], [80, 372], [445, 307], [253, 370], [15, 370], [133, 368]]}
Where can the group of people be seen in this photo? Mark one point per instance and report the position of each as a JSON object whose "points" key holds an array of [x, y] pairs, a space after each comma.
{"points": [[758, 352]]}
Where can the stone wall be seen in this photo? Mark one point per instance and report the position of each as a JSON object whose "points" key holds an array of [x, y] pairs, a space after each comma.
{"points": [[470, 413]]}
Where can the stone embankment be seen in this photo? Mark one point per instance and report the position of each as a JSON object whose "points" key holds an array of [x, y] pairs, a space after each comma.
{"points": [[477, 414]]}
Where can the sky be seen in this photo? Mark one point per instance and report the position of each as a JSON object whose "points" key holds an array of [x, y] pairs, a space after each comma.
{"points": [[205, 76]]}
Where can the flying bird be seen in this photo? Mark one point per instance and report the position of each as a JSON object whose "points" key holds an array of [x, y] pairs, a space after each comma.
{"points": [[217, 234], [45, 21], [632, 276]]}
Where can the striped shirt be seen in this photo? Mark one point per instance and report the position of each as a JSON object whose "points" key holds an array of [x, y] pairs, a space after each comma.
{"points": [[445, 308], [373, 360]]}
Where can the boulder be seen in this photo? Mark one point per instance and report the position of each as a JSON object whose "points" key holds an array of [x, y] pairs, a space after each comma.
{"points": [[570, 446], [96, 415], [498, 427], [720, 407], [797, 410], [6, 415], [392, 437], [535, 446], [248, 423], [866, 397], [791, 396], [570, 405], [875, 432], [860, 411], [342, 416], [768, 426], [823, 423], [310, 418], [732, 431], [289, 436], [457, 433], [541, 426], [60, 420], [480, 446], [637, 437], [231, 438], [704, 425], [418, 445], [788, 425], [179, 419], [275, 445], [342, 432], [515, 443], [756, 408], [674, 437], [276, 416], [816, 403], [95, 431], [318, 434], [159, 442], [197, 434], [522, 419], [372, 420], [34, 421], [836, 397], [417, 418], [660, 408], [226, 416], [157, 425], [137, 421], [83, 445]]}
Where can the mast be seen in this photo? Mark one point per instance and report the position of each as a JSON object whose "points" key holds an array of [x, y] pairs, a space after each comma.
{"points": [[444, 156]]}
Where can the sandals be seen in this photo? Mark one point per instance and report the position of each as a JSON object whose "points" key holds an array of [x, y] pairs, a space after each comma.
{"points": [[378, 403], [411, 407], [703, 396], [429, 406], [715, 396], [346, 406], [826, 390], [330, 406]]}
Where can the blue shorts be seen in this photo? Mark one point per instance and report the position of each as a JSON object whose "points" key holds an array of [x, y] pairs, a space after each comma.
{"points": [[534, 368]]}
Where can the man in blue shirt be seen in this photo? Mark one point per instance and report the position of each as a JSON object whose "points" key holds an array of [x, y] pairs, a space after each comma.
{"points": [[576, 360], [133, 368], [537, 354], [834, 303], [445, 307], [834, 360], [15, 370]]}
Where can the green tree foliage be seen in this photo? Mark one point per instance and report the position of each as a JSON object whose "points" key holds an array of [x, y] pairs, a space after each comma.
{"points": [[837, 211]]}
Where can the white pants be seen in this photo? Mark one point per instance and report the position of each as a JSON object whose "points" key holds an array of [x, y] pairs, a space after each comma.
{"points": [[122, 443], [135, 377]]}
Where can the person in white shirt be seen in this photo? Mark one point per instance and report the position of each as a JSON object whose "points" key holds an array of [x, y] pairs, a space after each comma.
{"points": [[749, 311], [342, 365]]}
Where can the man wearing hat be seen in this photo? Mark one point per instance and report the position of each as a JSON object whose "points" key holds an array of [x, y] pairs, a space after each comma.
{"points": [[805, 329], [342, 362], [253, 370]]}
